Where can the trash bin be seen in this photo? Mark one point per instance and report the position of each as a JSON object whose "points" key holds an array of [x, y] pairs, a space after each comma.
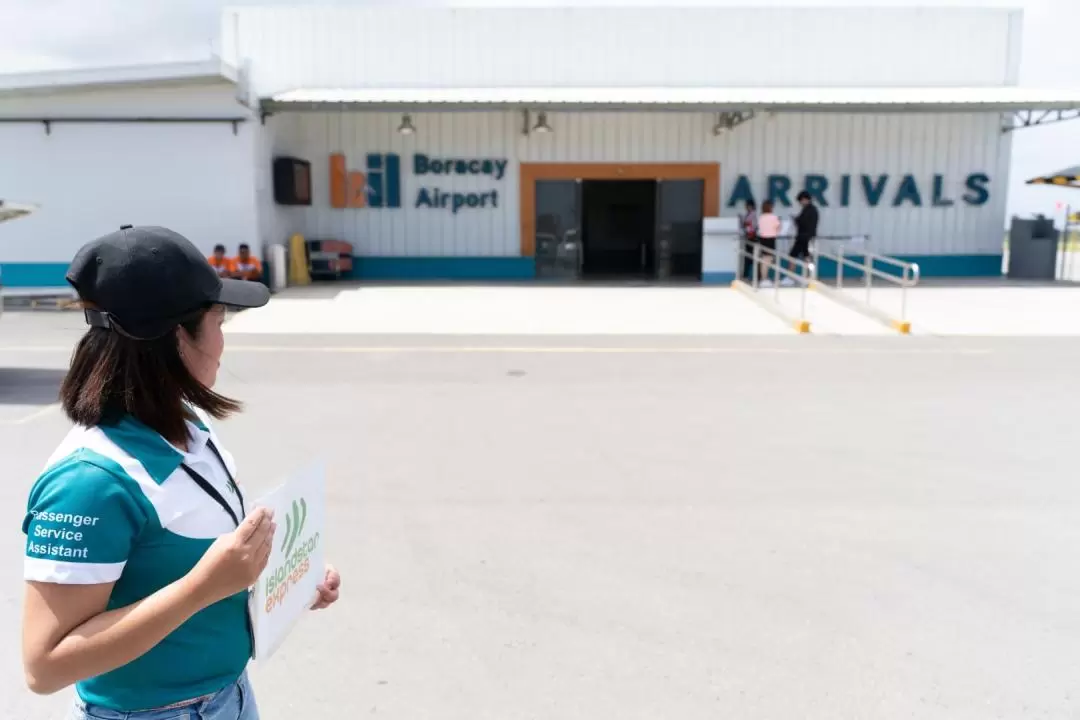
{"points": [[1033, 249]]}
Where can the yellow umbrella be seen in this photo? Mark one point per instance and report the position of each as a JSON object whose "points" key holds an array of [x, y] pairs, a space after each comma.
{"points": [[1069, 177]]}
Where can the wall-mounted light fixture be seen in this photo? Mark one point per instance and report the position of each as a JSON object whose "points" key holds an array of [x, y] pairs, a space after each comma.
{"points": [[728, 121], [406, 127], [541, 125]]}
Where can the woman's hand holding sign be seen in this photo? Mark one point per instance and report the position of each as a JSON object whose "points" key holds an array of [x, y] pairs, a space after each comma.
{"points": [[235, 560], [329, 589]]}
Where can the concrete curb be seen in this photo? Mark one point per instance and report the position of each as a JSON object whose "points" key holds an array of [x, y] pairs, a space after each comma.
{"points": [[799, 325]]}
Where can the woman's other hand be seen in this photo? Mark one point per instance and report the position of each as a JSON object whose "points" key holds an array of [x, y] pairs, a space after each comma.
{"points": [[328, 590]]}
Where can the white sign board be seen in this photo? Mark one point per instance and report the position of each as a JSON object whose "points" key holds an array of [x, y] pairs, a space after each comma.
{"points": [[720, 247], [287, 588], [722, 225]]}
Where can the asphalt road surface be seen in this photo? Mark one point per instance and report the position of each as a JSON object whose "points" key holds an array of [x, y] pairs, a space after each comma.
{"points": [[586, 528]]}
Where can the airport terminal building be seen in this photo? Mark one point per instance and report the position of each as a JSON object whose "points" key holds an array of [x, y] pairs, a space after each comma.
{"points": [[468, 143]]}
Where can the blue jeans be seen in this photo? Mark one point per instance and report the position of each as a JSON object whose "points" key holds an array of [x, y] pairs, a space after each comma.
{"points": [[236, 702]]}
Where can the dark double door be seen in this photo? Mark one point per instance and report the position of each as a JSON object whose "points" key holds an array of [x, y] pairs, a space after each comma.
{"points": [[619, 229]]}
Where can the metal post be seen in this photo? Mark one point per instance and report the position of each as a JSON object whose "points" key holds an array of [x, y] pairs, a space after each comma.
{"points": [[869, 274], [802, 302], [903, 292], [776, 275], [754, 272], [840, 267], [1067, 270]]}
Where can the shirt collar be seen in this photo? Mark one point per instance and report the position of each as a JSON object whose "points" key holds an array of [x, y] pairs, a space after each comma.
{"points": [[158, 456], [198, 437]]}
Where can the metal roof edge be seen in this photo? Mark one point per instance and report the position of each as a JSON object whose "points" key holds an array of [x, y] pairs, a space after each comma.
{"points": [[618, 5], [937, 99], [128, 75]]}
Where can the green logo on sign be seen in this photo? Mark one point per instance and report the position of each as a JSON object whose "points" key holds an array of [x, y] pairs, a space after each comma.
{"points": [[293, 525]]}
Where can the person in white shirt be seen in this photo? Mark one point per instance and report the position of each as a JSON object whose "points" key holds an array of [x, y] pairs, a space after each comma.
{"points": [[768, 229]]}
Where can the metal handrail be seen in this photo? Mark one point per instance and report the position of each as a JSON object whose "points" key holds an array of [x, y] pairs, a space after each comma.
{"points": [[802, 279], [908, 278]]}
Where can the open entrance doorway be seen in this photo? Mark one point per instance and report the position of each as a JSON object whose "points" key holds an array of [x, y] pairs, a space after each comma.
{"points": [[618, 222], [618, 228]]}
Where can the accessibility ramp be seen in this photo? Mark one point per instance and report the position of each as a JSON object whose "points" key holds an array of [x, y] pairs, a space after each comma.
{"points": [[836, 272], [811, 313], [786, 306], [829, 317], [790, 289]]}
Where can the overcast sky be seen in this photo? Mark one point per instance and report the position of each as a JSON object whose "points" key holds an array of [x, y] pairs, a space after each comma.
{"points": [[53, 34]]}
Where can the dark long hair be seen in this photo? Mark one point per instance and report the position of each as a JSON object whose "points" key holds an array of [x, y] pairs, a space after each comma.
{"points": [[112, 375]]}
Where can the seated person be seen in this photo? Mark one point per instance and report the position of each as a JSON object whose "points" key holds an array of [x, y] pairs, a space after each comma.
{"points": [[225, 267], [246, 266]]}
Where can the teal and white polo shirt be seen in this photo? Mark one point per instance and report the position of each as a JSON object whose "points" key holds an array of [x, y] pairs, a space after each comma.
{"points": [[113, 505]]}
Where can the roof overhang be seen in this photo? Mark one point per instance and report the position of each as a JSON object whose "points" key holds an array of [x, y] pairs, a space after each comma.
{"points": [[851, 100], [36, 83]]}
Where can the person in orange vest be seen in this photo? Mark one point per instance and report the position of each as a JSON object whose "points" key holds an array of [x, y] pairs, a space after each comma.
{"points": [[246, 266], [225, 267]]}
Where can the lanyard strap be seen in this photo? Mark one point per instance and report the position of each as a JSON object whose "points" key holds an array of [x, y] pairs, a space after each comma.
{"points": [[212, 491]]}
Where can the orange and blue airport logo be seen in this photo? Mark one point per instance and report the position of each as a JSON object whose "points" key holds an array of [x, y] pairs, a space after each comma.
{"points": [[378, 186]]}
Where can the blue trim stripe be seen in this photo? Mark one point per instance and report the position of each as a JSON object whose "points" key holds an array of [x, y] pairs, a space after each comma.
{"points": [[444, 268], [35, 275], [929, 266], [511, 268], [717, 278]]}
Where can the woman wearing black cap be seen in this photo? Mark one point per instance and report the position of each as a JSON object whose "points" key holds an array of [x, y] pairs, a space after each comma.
{"points": [[140, 548]]}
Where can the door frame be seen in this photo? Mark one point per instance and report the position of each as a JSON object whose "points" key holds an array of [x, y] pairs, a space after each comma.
{"points": [[529, 173]]}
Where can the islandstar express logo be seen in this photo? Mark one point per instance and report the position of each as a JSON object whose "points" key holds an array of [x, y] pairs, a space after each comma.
{"points": [[379, 186], [297, 551], [294, 524]]}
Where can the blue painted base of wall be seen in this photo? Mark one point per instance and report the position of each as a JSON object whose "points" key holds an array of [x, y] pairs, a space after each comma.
{"points": [[33, 275], [717, 278], [929, 266], [514, 268], [443, 268]]}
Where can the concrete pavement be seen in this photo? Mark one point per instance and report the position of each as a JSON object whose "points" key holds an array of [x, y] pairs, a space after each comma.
{"points": [[577, 527], [532, 310]]}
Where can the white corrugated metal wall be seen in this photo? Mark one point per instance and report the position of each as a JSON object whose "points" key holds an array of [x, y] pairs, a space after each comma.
{"points": [[385, 46], [90, 178], [790, 144]]}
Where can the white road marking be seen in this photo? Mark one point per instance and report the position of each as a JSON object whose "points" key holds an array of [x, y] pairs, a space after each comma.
{"points": [[561, 350], [585, 350]]}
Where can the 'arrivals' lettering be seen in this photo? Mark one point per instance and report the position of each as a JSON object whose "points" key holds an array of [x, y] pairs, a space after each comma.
{"points": [[875, 188]]}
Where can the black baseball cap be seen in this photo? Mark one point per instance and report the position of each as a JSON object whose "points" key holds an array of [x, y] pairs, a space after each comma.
{"points": [[144, 281]]}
